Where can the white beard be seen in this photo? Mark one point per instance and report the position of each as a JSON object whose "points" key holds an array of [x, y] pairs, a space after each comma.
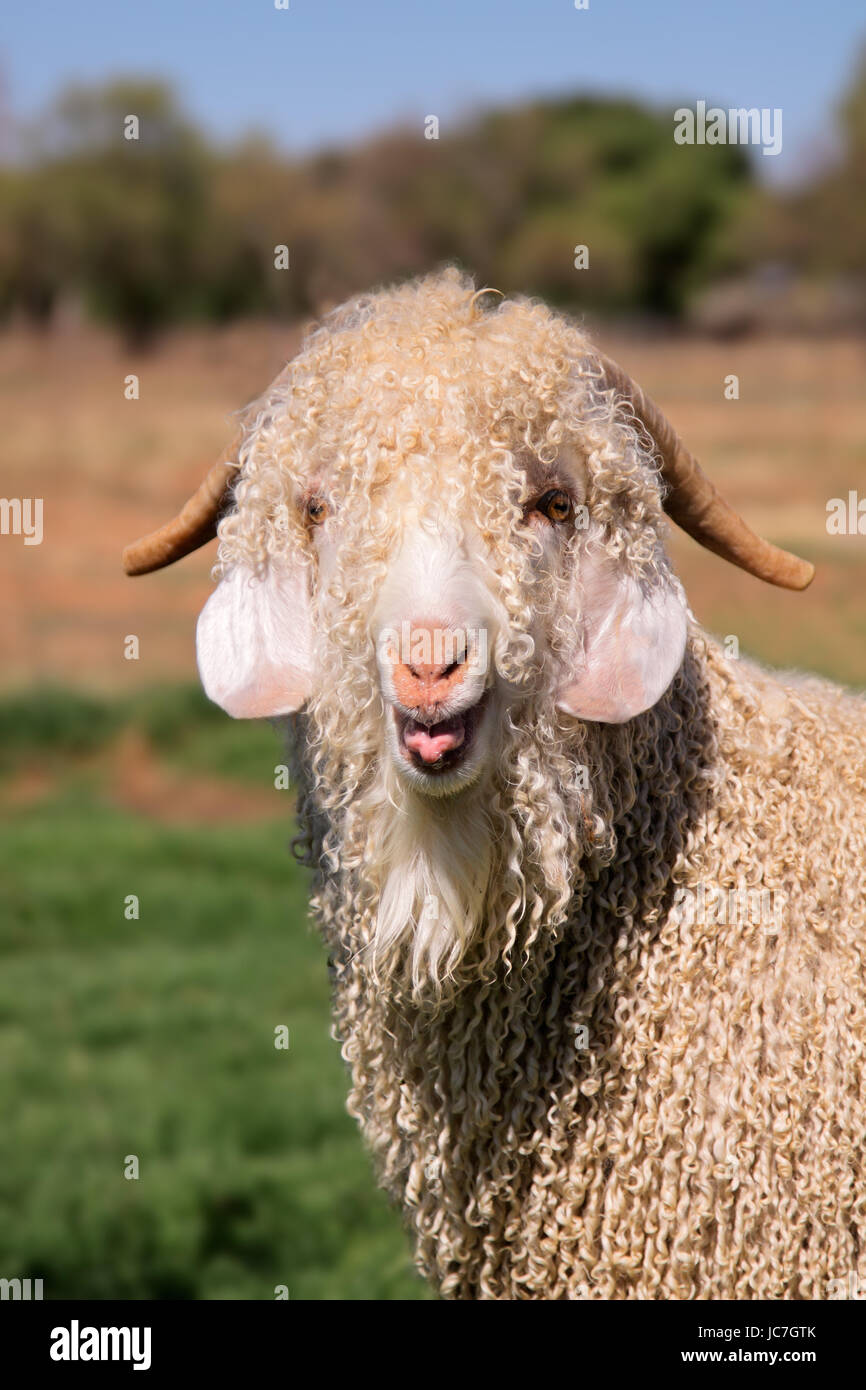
{"points": [[436, 859]]}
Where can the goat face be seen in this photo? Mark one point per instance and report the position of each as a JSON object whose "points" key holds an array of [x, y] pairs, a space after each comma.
{"points": [[452, 631], [440, 514]]}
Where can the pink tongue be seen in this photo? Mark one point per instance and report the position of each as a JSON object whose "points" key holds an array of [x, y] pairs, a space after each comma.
{"points": [[430, 744]]}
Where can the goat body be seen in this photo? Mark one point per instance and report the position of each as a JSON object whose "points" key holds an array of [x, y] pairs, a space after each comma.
{"points": [[652, 1103], [591, 889]]}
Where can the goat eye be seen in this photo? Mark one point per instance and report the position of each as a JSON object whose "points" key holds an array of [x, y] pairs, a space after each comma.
{"points": [[555, 505], [316, 510]]}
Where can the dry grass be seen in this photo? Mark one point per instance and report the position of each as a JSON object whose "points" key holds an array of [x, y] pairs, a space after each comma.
{"points": [[794, 439], [109, 469]]}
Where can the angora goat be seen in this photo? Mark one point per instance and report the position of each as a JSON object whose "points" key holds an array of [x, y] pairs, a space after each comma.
{"points": [[592, 891]]}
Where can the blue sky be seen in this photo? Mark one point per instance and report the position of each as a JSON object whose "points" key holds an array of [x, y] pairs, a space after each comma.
{"points": [[335, 70]]}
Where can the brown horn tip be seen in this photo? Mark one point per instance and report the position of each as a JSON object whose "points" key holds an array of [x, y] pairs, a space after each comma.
{"points": [[696, 505], [195, 524], [735, 541]]}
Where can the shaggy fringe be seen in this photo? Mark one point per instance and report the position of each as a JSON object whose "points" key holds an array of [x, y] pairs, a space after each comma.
{"points": [[571, 1090]]}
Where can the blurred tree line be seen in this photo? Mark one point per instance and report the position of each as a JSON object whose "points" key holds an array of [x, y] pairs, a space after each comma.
{"points": [[166, 228]]}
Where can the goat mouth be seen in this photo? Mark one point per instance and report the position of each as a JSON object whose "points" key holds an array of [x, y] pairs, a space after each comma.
{"points": [[439, 746]]}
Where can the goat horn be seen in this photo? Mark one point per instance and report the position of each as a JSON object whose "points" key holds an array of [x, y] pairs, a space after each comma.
{"points": [[194, 525], [695, 504]]}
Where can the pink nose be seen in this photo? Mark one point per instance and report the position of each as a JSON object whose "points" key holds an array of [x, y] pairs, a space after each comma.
{"points": [[425, 683]]}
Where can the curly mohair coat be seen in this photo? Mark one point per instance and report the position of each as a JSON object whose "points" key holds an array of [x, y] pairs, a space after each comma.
{"points": [[588, 1074]]}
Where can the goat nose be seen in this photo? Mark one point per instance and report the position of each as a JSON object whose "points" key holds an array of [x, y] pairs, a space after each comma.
{"points": [[431, 669], [426, 684], [429, 673]]}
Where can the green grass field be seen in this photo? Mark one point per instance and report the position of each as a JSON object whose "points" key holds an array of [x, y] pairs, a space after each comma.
{"points": [[155, 1037]]}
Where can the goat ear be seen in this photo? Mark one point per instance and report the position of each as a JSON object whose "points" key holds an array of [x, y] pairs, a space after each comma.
{"points": [[634, 638], [254, 642]]}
